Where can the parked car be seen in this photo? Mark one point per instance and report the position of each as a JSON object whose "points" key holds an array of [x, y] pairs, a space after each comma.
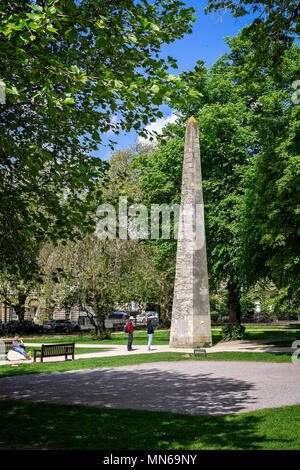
{"points": [[28, 327], [152, 315], [60, 326], [118, 315], [48, 326], [144, 317], [11, 327], [116, 319], [57, 326], [74, 326]]}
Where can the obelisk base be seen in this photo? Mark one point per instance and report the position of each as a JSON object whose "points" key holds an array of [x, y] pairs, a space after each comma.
{"points": [[182, 336]]}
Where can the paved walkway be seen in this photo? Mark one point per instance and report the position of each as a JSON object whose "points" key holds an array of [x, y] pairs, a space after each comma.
{"points": [[193, 387]]}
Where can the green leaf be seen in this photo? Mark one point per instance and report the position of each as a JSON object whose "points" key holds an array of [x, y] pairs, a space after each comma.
{"points": [[132, 38], [155, 89], [69, 100], [12, 90], [51, 28]]}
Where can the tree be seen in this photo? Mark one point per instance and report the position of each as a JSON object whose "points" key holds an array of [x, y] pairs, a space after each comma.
{"points": [[122, 177], [270, 208], [271, 33], [16, 285], [249, 153], [124, 180], [160, 173], [97, 274], [225, 140], [73, 70]]}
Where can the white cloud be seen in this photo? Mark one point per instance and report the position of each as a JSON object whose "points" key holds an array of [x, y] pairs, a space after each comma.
{"points": [[113, 122], [157, 126]]}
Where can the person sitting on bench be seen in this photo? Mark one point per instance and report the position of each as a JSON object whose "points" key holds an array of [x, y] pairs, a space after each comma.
{"points": [[19, 347]]}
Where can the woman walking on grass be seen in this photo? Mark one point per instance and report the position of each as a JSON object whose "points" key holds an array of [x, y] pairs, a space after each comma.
{"points": [[150, 333]]}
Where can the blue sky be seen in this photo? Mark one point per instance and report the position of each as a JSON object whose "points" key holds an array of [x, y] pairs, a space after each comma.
{"points": [[206, 43]]}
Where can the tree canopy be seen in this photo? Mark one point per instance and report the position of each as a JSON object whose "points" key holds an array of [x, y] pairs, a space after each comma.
{"points": [[273, 30], [250, 158], [73, 70]]}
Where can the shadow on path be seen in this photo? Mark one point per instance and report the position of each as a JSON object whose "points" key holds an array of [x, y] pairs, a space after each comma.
{"points": [[151, 389]]}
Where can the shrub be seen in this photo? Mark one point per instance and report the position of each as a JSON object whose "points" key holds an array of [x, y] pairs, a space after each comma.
{"points": [[237, 332], [165, 326], [215, 316], [225, 319], [104, 335]]}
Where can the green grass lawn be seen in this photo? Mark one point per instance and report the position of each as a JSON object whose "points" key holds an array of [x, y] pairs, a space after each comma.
{"points": [[140, 337], [118, 361], [78, 350], [161, 337], [70, 427], [290, 326], [269, 335]]}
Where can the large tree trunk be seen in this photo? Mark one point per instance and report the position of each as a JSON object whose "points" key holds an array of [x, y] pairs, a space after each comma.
{"points": [[234, 306], [20, 309], [165, 306], [101, 322], [93, 322], [99, 309]]}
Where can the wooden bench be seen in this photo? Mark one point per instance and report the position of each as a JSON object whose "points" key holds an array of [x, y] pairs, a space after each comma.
{"points": [[53, 350]]}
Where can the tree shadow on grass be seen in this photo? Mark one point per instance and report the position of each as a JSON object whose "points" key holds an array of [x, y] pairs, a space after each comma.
{"points": [[69, 427]]}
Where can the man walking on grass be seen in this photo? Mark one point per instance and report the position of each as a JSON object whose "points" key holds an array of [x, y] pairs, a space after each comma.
{"points": [[130, 333]]}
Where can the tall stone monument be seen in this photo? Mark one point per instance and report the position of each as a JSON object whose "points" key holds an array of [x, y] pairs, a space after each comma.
{"points": [[191, 326]]}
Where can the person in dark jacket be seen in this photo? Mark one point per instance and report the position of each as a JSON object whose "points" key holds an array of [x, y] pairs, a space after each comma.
{"points": [[150, 332], [130, 333]]}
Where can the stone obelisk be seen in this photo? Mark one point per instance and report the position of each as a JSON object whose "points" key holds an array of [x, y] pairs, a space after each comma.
{"points": [[191, 326]]}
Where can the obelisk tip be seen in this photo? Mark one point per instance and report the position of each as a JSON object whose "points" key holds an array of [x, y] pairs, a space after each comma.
{"points": [[192, 121]]}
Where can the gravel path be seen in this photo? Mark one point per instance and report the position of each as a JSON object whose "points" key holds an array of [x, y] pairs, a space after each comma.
{"points": [[208, 388]]}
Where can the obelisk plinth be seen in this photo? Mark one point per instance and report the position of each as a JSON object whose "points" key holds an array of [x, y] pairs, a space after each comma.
{"points": [[191, 325]]}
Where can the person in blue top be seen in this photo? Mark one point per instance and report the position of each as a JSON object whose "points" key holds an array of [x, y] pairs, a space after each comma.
{"points": [[150, 332], [19, 347]]}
